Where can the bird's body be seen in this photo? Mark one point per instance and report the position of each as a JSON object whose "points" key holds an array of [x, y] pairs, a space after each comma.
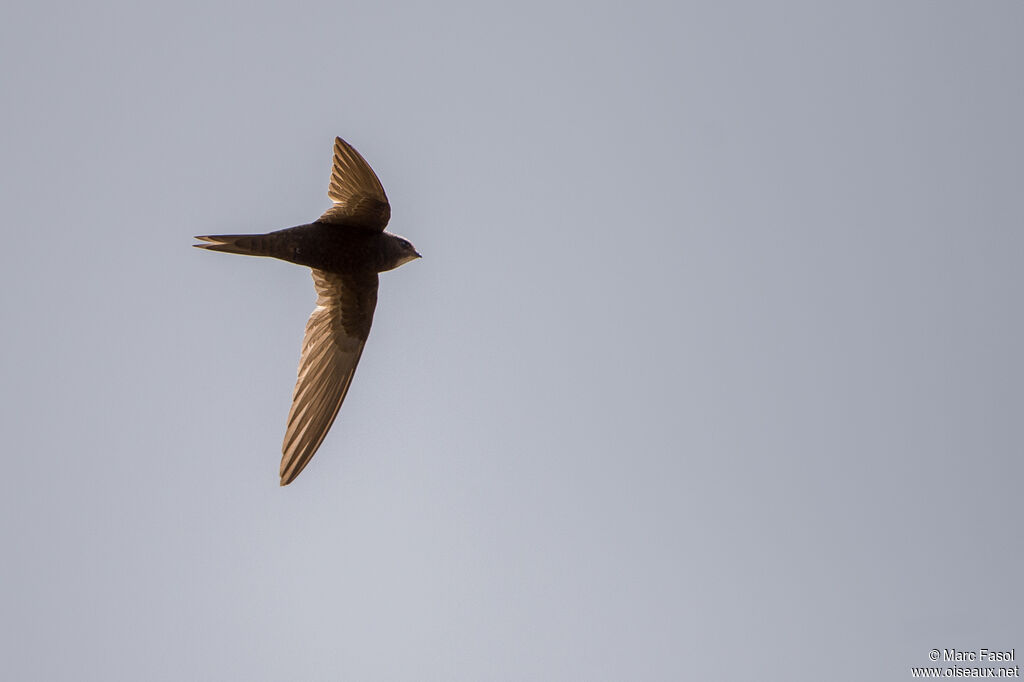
{"points": [[318, 245], [346, 249]]}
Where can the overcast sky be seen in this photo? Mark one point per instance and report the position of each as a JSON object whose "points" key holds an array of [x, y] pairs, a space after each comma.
{"points": [[711, 368]]}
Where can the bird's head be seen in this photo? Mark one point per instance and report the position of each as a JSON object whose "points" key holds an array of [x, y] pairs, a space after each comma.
{"points": [[400, 252]]}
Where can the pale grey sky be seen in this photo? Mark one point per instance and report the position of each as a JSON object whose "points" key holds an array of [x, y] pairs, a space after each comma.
{"points": [[711, 369]]}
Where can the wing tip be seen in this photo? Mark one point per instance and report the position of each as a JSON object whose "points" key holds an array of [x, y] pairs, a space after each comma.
{"points": [[288, 473]]}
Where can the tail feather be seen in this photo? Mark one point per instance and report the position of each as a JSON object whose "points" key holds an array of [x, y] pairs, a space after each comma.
{"points": [[245, 244]]}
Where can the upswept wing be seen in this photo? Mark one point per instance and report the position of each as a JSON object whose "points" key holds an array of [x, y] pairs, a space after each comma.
{"points": [[335, 335], [358, 196]]}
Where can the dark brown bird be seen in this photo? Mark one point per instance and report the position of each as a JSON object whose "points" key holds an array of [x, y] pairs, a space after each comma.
{"points": [[346, 247]]}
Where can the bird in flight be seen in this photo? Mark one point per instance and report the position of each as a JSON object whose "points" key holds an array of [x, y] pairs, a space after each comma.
{"points": [[345, 247]]}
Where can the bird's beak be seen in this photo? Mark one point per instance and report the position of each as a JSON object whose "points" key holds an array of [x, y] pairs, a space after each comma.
{"points": [[417, 254]]}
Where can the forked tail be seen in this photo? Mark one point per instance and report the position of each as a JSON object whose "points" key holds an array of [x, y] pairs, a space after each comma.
{"points": [[245, 244]]}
